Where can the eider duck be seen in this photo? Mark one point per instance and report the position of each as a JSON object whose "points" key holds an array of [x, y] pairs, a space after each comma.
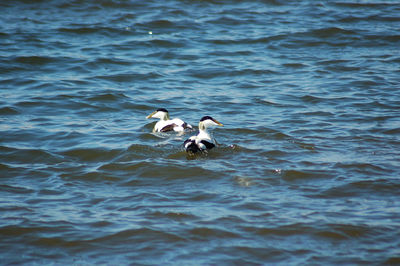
{"points": [[203, 140], [166, 124]]}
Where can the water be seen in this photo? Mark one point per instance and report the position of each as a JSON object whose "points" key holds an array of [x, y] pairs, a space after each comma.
{"points": [[307, 170]]}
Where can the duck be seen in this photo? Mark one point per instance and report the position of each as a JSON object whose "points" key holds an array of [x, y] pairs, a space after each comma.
{"points": [[203, 141], [166, 124]]}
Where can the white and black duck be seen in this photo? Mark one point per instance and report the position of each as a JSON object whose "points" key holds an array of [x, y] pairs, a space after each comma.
{"points": [[166, 124], [203, 140]]}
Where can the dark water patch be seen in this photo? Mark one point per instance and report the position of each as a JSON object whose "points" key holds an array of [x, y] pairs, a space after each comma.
{"points": [[175, 216], [136, 151], [7, 68], [272, 103], [101, 224], [385, 39], [304, 175], [395, 260], [252, 256], [48, 106], [312, 99], [159, 24], [21, 83], [353, 231], [331, 32], [256, 207], [367, 169], [334, 235], [129, 77], [4, 167], [35, 60], [206, 233], [366, 83], [139, 236], [331, 36], [95, 176], [340, 232], [271, 40], [318, 113], [29, 156], [109, 62], [231, 53], [225, 21], [51, 242], [283, 230], [260, 133], [16, 231], [93, 30], [167, 43], [170, 172], [128, 166], [295, 65], [361, 188], [274, 153], [108, 97], [9, 111], [49, 192], [394, 131], [366, 5], [4, 35], [15, 190]]}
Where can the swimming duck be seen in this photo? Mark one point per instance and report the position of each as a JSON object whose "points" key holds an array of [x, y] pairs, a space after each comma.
{"points": [[166, 124], [203, 140]]}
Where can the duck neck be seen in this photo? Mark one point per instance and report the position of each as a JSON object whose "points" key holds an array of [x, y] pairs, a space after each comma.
{"points": [[165, 117], [203, 133]]}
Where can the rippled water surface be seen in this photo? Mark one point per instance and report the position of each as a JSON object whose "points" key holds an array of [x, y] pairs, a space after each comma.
{"points": [[307, 167]]}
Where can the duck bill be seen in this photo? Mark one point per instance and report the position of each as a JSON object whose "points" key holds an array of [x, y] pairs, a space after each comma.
{"points": [[218, 123], [151, 115]]}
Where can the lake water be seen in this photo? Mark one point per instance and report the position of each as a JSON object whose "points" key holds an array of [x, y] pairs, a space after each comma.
{"points": [[307, 170]]}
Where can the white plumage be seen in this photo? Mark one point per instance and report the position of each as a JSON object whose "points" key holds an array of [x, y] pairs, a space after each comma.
{"points": [[166, 124], [203, 140]]}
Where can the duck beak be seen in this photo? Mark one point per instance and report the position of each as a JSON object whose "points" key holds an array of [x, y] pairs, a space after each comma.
{"points": [[218, 123], [151, 115]]}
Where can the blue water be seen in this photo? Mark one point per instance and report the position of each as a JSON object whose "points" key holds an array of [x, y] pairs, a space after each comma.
{"points": [[307, 167]]}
